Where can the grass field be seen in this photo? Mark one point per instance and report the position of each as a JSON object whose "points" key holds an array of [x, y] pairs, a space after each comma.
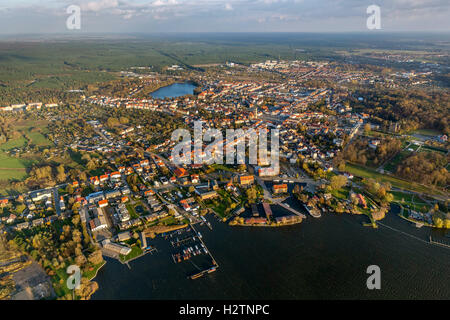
{"points": [[399, 157], [411, 200], [132, 211], [18, 142], [135, 252], [38, 139], [341, 194], [364, 172], [433, 149], [12, 168], [90, 274], [426, 132]]}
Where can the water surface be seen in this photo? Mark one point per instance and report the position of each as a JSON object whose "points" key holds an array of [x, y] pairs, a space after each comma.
{"points": [[322, 258], [175, 90]]}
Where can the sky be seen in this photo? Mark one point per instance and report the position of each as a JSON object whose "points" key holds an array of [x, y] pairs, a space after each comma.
{"points": [[156, 16]]}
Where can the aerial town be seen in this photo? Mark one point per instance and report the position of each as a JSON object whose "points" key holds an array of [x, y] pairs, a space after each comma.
{"points": [[125, 189]]}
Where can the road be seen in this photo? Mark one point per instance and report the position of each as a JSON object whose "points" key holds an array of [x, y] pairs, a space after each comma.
{"points": [[56, 199]]}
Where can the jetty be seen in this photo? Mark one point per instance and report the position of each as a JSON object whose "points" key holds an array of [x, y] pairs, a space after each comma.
{"points": [[287, 207], [439, 243], [214, 262], [202, 273], [206, 222]]}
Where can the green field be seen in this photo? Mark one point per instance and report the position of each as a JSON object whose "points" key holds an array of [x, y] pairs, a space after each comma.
{"points": [[365, 172], [426, 132], [135, 252], [18, 142], [433, 149], [411, 200], [15, 168], [12, 168], [168, 221], [132, 211], [90, 274], [341, 193], [38, 139], [399, 157]]}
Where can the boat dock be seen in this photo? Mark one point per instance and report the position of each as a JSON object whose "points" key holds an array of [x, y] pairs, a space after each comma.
{"points": [[206, 222], [204, 245], [179, 242], [283, 205], [442, 244], [202, 273]]}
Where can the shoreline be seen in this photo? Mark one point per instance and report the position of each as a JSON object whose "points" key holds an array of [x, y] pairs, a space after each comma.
{"points": [[172, 83], [265, 225], [383, 226], [96, 272]]}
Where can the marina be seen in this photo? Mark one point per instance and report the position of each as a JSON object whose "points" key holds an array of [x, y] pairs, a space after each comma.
{"points": [[188, 246], [158, 277]]}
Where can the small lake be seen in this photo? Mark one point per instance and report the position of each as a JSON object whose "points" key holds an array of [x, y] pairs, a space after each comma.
{"points": [[175, 90]]}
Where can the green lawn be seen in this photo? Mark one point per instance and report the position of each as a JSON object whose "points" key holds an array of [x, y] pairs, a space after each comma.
{"points": [[412, 201], [90, 274], [38, 139], [168, 221], [13, 143], [433, 149], [391, 166], [341, 194], [365, 172], [13, 168], [426, 132], [223, 204], [222, 167], [59, 282], [135, 252], [132, 211]]}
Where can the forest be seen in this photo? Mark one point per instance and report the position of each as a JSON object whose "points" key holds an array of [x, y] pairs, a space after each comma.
{"points": [[413, 109]]}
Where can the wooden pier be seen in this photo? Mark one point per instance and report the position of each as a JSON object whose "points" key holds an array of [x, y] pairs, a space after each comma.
{"points": [[292, 210], [202, 273], [215, 264], [442, 244]]}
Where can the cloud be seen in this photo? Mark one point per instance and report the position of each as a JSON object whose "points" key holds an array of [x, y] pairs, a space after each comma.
{"points": [[235, 15], [96, 6]]}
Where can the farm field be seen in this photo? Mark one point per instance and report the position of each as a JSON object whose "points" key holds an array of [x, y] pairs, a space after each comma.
{"points": [[15, 168]]}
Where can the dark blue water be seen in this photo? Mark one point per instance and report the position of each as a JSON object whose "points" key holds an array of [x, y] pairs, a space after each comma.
{"points": [[324, 258], [175, 90]]}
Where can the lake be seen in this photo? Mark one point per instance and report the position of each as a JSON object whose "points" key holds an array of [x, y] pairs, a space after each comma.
{"points": [[175, 90], [324, 258]]}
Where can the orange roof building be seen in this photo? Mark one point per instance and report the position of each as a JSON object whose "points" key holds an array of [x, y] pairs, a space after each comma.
{"points": [[181, 172], [102, 203], [280, 188], [246, 180]]}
